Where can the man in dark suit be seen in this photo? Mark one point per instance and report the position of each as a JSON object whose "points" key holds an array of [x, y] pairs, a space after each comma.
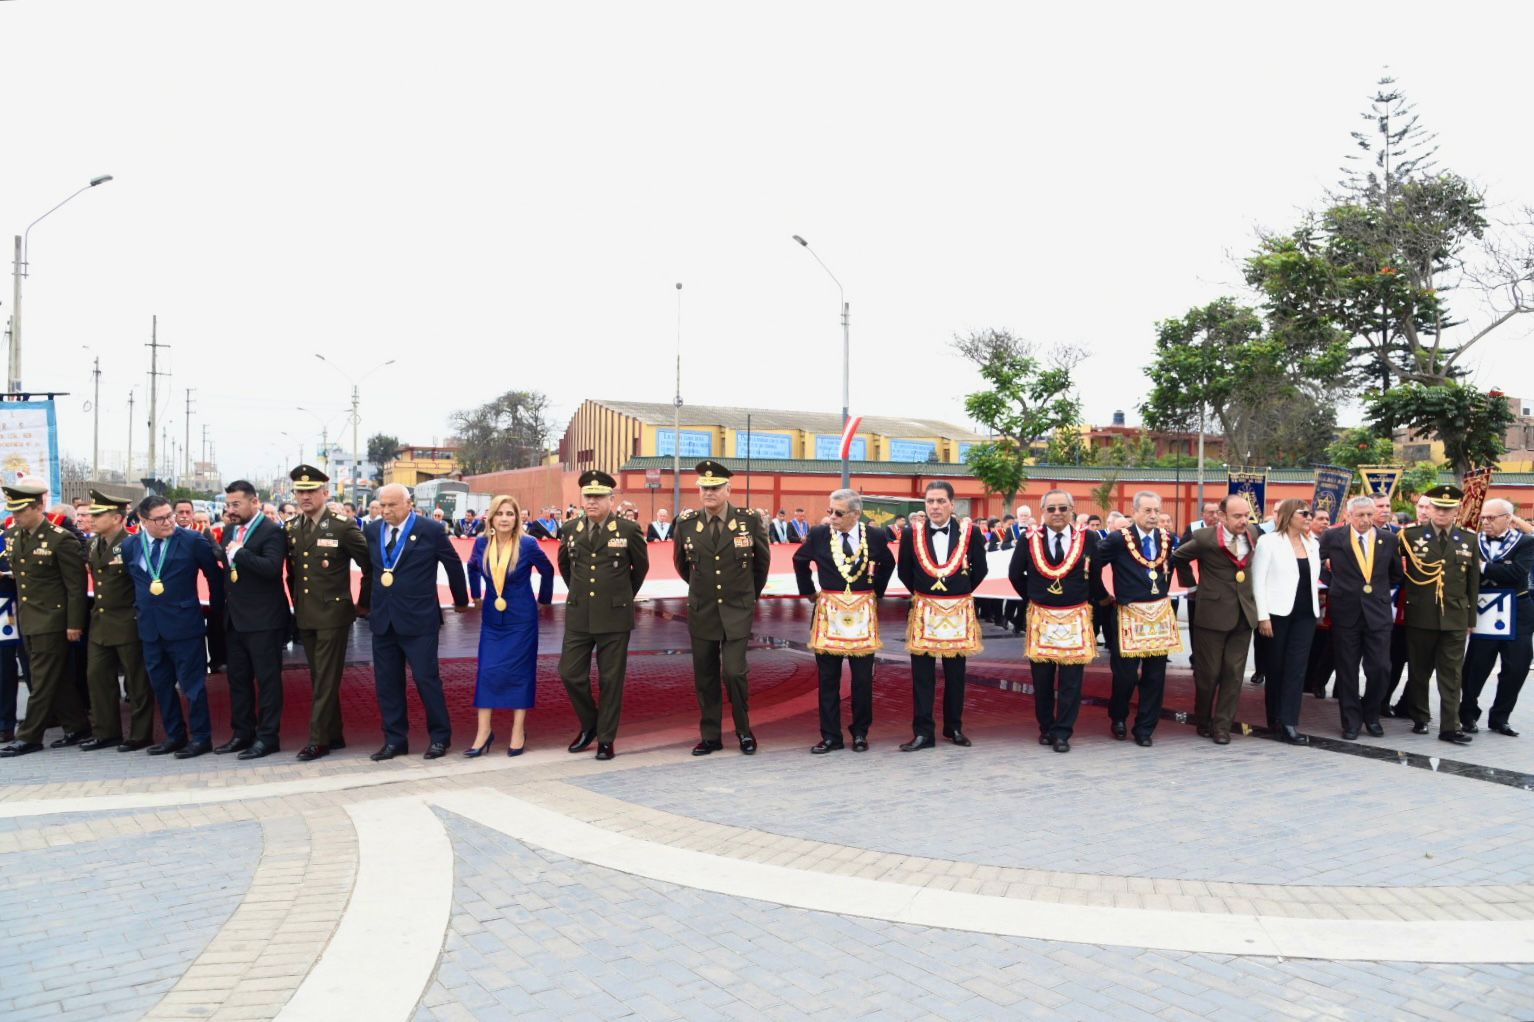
{"points": [[470, 525], [1051, 569], [722, 554], [256, 622], [546, 527], [1138, 555], [1210, 517], [660, 529], [405, 549], [941, 576], [1222, 635], [851, 557], [1363, 563], [164, 561], [780, 531], [605, 552], [1443, 580], [1507, 560], [799, 528]]}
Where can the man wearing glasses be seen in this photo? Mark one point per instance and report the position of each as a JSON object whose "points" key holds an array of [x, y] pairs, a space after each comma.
{"points": [[164, 562], [1507, 560]]}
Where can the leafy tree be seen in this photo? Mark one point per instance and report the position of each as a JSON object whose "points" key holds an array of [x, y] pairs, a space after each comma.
{"points": [[1104, 492], [1360, 446], [1472, 425], [511, 431], [1030, 397], [1416, 479], [1066, 447], [382, 447], [1271, 391]]}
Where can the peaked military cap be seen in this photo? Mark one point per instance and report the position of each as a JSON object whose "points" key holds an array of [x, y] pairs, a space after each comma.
{"points": [[23, 493], [106, 503], [712, 474], [596, 483], [307, 477], [1444, 496]]}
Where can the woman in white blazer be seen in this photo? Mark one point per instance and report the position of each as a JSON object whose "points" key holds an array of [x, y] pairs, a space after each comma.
{"points": [[1286, 572]]}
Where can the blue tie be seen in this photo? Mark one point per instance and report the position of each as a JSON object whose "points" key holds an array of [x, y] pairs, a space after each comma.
{"points": [[154, 551], [1148, 545]]}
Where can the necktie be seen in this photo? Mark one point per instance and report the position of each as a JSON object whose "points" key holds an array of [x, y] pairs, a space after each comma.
{"points": [[154, 551], [240, 536], [393, 539], [847, 545], [713, 528], [1148, 545], [1059, 550]]}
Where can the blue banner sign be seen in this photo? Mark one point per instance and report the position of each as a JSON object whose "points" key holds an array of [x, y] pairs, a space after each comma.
{"points": [[912, 450], [696, 443], [828, 447], [763, 445]]}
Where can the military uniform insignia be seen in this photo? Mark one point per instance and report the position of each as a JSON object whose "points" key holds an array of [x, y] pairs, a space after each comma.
{"points": [[580, 526], [733, 525], [612, 526]]}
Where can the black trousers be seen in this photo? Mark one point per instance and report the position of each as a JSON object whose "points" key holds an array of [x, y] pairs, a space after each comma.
{"points": [[1288, 655], [1481, 657], [1353, 645], [391, 651], [1260, 652], [1148, 674], [830, 667], [255, 663], [719, 665], [924, 695], [10, 682], [1398, 660], [1321, 663], [1056, 709]]}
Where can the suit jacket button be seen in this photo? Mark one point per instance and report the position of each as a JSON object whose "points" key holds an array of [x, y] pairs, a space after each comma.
{"points": [[592, 593], [721, 601]]}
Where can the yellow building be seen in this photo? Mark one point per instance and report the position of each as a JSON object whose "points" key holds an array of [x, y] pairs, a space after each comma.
{"points": [[414, 464], [606, 434], [1519, 441]]}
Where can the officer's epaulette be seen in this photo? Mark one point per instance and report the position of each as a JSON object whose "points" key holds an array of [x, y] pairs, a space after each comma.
{"points": [[59, 529], [686, 514]]}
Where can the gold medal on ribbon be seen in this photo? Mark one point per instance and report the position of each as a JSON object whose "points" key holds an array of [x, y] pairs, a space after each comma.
{"points": [[156, 587], [500, 603], [386, 579], [1368, 589], [234, 574], [1240, 576]]}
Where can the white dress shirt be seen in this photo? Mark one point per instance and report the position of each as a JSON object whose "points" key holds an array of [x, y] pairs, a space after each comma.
{"points": [[940, 542]]}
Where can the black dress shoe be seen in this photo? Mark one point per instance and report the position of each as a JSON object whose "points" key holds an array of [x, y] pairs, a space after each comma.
{"points": [[823, 747], [1062, 745], [389, 752], [70, 738], [92, 744], [257, 750], [1120, 731], [1349, 735], [20, 749], [1046, 740], [436, 750], [704, 747], [1258, 679], [917, 744], [1375, 730], [1457, 737], [167, 746], [958, 739], [338, 744], [1292, 736], [310, 753], [605, 751], [747, 743], [1471, 728], [133, 745], [1143, 741], [583, 741], [859, 743], [233, 745], [1504, 729], [7, 736], [1203, 731], [194, 749], [1419, 727]]}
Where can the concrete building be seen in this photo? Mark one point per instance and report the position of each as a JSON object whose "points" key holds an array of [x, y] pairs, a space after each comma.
{"points": [[417, 463], [607, 434]]}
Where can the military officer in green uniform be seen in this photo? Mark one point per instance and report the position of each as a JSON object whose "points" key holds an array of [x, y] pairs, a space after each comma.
{"points": [[113, 644], [603, 560], [1443, 581], [322, 545], [49, 564], [723, 555]]}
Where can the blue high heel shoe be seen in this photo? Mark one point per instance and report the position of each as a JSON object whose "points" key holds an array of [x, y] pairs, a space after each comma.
{"points": [[519, 749], [478, 751]]}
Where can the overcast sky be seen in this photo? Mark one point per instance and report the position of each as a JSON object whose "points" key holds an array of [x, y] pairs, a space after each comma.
{"points": [[503, 195]]}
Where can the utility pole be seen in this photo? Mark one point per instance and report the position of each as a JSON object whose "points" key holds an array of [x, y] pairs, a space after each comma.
{"points": [[186, 444], [154, 386], [128, 468], [355, 419], [96, 425], [165, 446], [205, 445]]}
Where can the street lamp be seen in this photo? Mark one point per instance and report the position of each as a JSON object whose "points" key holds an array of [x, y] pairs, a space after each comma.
{"points": [[19, 270], [846, 358], [356, 419]]}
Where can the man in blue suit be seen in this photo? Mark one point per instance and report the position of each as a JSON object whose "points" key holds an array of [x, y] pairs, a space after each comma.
{"points": [[164, 561], [405, 549]]}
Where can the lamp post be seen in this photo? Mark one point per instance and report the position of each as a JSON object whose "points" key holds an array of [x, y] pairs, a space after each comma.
{"points": [[356, 419], [19, 270], [846, 357]]}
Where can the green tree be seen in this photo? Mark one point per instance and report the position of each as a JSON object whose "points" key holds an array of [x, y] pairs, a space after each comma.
{"points": [[382, 447], [1472, 425], [1360, 446], [1271, 390], [510, 431], [1066, 447], [1414, 481], [1029, 397]]}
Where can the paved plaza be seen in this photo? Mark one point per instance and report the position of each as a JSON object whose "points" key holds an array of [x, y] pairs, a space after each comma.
{"points": [[1373, 880]]}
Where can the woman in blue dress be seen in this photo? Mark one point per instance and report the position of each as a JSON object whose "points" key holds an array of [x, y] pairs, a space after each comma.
{"points": [[502, 564]]}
